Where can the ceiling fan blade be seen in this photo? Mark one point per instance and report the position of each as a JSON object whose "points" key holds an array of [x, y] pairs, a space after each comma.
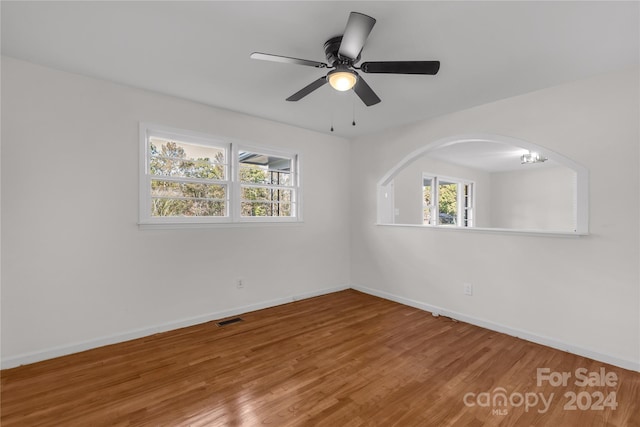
{"points": [[401, 67], [308, 89], [355, 35], [366, 94], [287, 60]]}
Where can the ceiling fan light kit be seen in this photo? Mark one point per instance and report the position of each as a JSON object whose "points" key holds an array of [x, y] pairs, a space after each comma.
{"points": [[342, 53], [342, 79]]}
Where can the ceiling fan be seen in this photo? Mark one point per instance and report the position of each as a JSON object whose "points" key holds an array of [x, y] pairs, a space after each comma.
{"points": [[342, 53]]}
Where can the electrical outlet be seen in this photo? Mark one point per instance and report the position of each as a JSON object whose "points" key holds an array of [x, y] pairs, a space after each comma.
{"points": [[468, 289], [240, 284]]}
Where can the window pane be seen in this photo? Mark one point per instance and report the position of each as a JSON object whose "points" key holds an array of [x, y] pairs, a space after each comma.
{"points": [[265, 209], [262, 169], [265, 194], [427, 202], [467, 208], [265, 201], [447, 203], [259, 175], [187, 190], [175, 158], [162, 207]]}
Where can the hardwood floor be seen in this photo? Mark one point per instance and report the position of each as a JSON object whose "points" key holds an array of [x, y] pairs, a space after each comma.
{"points": [[344, 359]]}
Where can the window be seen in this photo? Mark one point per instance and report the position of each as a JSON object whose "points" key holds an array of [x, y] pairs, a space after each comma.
{"points": [[266, 185], [187, 178], [447, 201]]}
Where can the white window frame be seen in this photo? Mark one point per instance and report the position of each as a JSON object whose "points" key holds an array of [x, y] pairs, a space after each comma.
{"points": [[232, 182], [295, 187], [435, 197]]}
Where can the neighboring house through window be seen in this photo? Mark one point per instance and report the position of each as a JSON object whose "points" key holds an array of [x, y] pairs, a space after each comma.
{"points": [[266, 185]]}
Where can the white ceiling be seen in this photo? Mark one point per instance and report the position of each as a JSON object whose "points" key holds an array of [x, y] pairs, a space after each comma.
{"points": [[200, 51], [488, 156]]}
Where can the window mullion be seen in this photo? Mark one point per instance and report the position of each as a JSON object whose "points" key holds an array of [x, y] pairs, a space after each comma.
{"points": [[269, 186], [234, 171], [188, 180], [436, 201], [459, 205]]}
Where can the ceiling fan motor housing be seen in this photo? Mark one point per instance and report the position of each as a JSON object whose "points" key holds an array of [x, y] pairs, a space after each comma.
{"points": [[331, 48]]}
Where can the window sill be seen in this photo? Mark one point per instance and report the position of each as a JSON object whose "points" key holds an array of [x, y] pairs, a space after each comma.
{"points": [[201, 225], [548, 233]]}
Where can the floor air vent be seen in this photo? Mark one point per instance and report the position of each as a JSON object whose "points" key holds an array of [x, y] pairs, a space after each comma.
{"points": [[229, 321]]}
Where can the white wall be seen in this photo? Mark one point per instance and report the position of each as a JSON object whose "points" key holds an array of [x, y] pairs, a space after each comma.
{"points": [[584, 293], [77, 271], [534, 199], [408, 189]]}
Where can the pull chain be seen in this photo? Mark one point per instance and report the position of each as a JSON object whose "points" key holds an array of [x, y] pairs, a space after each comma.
{"points": [[353, 98], [332, 120]]}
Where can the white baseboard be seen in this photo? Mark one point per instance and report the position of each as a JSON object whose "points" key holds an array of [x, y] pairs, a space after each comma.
{"points": [[26, 358], [50, 353], [538, 339]]}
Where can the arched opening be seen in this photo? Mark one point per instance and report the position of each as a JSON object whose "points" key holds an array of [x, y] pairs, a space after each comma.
{"points": [[487, 182]]}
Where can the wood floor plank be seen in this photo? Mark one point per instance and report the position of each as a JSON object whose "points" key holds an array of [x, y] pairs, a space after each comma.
{"points": [[344, 359]]}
